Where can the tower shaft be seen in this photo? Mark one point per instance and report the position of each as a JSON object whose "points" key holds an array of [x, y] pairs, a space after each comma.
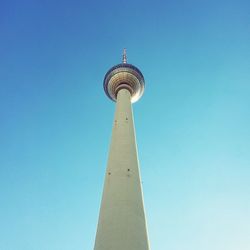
{"points": [[122, 223]]}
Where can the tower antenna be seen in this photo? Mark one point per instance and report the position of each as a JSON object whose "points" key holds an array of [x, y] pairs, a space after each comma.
{"points": [[124, 56]]}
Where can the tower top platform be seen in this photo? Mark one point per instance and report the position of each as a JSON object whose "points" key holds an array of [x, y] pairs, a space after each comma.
{"points": [[124, 76]]}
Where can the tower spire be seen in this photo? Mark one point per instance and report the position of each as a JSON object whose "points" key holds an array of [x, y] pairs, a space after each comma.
{"points": [[124, 56]]}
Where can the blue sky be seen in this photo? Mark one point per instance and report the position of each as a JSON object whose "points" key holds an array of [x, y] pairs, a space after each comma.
{"points": [[192, 124]]}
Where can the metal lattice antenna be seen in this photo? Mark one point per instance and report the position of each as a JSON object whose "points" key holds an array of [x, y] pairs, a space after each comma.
{"points": [[124, 56]]}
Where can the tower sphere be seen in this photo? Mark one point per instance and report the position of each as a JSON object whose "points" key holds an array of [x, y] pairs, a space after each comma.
{"points": [[124, 76]]}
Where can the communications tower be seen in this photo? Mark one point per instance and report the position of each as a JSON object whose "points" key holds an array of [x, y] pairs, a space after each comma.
{"points": [[122, 221]]}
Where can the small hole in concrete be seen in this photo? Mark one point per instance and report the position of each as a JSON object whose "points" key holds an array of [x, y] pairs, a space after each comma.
{"points": [[109, 173], [128, 169]]}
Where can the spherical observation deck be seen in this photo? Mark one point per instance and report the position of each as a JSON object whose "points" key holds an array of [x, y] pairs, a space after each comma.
{"points": [[124, 76]]}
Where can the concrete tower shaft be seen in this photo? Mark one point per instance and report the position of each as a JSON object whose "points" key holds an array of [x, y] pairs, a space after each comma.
{"points": [[122, 222]]}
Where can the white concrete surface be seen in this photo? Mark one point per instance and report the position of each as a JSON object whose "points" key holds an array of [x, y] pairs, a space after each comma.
{"points": [[122, 223]]}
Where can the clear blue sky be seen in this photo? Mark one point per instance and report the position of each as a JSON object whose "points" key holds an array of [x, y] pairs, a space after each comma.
{"points": [[193, 122]]}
